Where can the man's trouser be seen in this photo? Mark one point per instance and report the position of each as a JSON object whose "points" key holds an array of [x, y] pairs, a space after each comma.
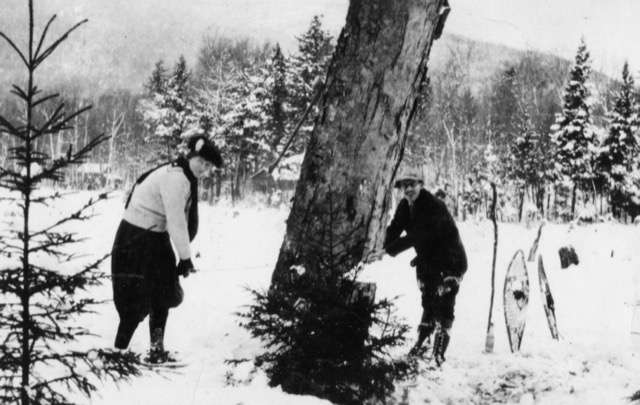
{"points": [[437, 309]]}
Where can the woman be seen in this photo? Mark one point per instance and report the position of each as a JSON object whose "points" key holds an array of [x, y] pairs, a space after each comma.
{"points": [[162, 208]]}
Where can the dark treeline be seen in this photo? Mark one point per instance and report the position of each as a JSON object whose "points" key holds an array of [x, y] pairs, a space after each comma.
{"points": [[246, 96], [557, 138]]}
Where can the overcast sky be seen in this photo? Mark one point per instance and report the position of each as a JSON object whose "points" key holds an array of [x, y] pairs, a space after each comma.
{"points": [[610, 27], [119, 29]]}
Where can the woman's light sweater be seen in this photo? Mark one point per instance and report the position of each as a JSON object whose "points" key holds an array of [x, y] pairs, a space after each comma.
{"points": [[161, 203]]}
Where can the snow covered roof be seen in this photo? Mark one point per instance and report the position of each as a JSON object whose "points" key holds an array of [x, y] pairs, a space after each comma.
{"points": [[93, 168], [289, 168]]}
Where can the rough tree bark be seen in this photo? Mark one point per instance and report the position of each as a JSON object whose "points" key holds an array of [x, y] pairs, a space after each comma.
{"points": [[358, 139]]}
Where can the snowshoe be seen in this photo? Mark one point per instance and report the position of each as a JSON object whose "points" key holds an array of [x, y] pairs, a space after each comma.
{"points": [[162, 358], [418, 351], [421, 348]]}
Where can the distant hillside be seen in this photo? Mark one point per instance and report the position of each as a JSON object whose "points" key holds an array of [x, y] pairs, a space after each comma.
{"points": [[487, 59], [119, 50], [123, 38]]}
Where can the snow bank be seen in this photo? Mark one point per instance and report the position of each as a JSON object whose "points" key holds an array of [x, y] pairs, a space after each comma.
{"points": [[593, 363]]}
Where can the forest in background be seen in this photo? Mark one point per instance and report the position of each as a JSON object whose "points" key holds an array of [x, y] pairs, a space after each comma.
{"points": [[557, 137]]}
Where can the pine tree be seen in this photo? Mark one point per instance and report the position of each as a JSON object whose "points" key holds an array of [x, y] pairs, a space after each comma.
{"points": [[41, 306], [307, 73], [487, 171], [620, 148], [157, 82], [168, 111], [574, 134], [504, 110], [420, 136], [468, 127], [244, 129], [233, 91], [278, 107], [526, 165]]}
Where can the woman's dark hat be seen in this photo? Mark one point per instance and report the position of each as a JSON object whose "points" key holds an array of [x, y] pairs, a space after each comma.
{"points": [[203, 147]]}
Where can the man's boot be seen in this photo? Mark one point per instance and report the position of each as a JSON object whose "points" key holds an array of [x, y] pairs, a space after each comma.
{"points": [[424, 334], [440, 343]]}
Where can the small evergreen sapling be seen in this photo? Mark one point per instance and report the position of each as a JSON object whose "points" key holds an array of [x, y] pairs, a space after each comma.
{"points": [[40, 306], [316, 329]]}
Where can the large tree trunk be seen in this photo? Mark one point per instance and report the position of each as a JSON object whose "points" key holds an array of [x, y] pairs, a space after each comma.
{"points": [[342, 197]]}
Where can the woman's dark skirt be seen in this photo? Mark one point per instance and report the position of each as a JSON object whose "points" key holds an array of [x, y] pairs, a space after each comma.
{"points": [[143, 271]]}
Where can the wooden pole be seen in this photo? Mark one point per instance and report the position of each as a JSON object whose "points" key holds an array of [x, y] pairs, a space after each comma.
{"points": [[489, 342]]}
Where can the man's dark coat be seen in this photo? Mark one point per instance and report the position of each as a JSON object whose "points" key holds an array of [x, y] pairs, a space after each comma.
{"points": [[431, 230]]}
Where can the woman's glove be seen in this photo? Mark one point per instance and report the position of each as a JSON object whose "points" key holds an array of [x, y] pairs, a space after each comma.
{"points": [[185, 267]]}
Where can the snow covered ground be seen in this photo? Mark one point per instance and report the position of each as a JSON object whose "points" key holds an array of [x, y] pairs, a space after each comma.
{"points": [[593, 363]]}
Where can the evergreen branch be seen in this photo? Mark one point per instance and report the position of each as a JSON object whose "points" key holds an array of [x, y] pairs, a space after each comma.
{"points": [[18, 184], [45, 280], [58, 122], [36, 157], [76, 158], [69, 380], [57, 115], [60, 356], [11, 235], [12, 320], [75, 216], [11, 199], [57, 313], [11, 281], [55, 196], [9, 128], [53, 331], [47, 396], [44, 34], [15, 48], [45, 99], [14, 324], [39, 58], [104, 365], [8, 172], [35, 90], [10, 358], [54, 241], [15, 89]]}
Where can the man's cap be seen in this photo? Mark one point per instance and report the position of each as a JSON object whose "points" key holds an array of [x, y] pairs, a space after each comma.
{"points": [[408, 173], [203, 147]]}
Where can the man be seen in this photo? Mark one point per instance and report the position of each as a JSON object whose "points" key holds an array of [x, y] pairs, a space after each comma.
{"points": [[162, 209], [440, 262]]}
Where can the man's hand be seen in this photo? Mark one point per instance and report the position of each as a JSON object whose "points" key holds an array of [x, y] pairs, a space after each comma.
{"points": [[374, 256], [185, 267], [449, 284]]}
